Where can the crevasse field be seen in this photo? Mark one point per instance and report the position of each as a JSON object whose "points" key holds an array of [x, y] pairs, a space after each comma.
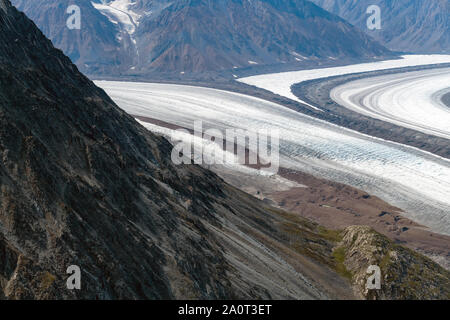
{"points": [[416, 181]]}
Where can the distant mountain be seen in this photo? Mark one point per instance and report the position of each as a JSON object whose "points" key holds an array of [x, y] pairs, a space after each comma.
{"points": [[123, 37], [99, 46], [420, 26]]}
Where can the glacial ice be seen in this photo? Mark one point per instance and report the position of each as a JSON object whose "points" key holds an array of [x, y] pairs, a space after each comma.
{"points": [[379, 167]]}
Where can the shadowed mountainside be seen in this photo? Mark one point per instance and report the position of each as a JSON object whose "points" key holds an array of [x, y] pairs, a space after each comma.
{"points": [[82, 183], [407, 25], [196, 36]]}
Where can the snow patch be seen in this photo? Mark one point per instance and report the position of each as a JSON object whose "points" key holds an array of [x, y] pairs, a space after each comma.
{"points": [[119, 12]]}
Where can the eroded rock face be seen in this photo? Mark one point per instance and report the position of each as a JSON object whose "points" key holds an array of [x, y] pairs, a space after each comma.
{"points": [[82, 183], [405, 274], [79, 185]]}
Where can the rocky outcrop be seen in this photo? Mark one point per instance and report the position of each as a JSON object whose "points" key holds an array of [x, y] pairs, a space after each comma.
{"points": [[95, 47], [405, 274], [446, 99]]}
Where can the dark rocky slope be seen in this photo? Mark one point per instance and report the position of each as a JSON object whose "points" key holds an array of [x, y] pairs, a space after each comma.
{"points": [[81, 183], [446, 99]]}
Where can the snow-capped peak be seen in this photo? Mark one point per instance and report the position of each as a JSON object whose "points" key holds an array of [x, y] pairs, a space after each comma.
{"points": [[119, 12]]}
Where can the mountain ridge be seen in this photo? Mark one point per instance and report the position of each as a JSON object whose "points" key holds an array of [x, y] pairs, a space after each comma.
{"points": [[407, 25], [198, 36]]}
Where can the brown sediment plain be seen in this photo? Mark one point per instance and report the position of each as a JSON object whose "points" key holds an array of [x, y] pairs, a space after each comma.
{"points": [[334, 205], [337, 206]]}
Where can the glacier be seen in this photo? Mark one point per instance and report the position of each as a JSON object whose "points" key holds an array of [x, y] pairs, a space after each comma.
{"points": [[407, 99], [281, 83], [382, 168]]}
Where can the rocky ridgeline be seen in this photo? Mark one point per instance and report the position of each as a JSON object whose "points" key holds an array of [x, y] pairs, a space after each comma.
{"points": [[405, 274]]}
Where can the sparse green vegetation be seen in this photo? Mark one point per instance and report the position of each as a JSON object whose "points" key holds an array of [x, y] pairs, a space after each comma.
{"points": [[315, 241], [339, 257], [329, 234], [47, 280]]}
